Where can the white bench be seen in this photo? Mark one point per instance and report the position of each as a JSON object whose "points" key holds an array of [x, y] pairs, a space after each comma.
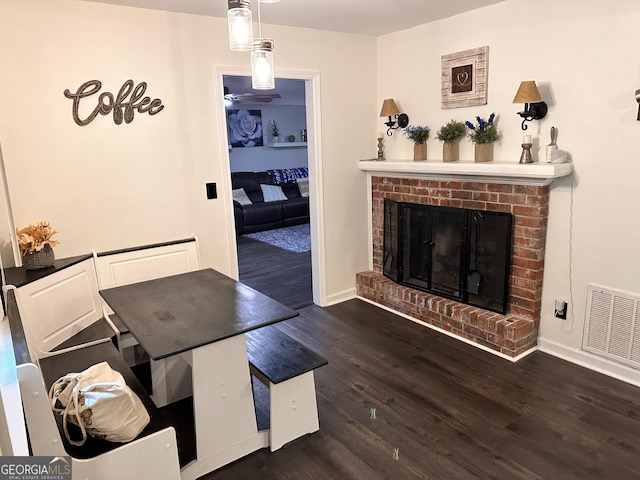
{"points": [[13, 434], [60, 306], [26, 409], [286, 367], [57, 309], [62, 311]]}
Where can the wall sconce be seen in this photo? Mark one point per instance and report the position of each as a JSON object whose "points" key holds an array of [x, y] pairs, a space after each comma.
{"points": [[534, 107], [390, 109], [240, 25]]}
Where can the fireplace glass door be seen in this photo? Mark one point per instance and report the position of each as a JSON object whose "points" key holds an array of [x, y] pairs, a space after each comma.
{"points": [[452, 252], [432, 242]]}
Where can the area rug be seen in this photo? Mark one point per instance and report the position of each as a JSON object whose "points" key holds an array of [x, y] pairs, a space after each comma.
{"points": [[295, 239]]}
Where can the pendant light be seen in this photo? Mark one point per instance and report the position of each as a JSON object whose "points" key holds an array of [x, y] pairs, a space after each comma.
{"points": [[262, 76], [262, 64], [240, 25]]}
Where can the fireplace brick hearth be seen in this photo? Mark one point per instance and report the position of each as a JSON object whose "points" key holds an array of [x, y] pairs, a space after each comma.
{"points": [[510, 334]]}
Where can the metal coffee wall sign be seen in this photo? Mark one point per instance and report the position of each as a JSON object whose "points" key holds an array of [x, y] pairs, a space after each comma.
{"points": [[129, 100]]}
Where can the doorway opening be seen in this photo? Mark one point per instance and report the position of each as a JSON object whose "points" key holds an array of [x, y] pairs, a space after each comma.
{"points": [[269, 168]]}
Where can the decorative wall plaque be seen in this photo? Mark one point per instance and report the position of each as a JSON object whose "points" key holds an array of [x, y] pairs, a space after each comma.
{"points": [[124, 104], [464, 78]]}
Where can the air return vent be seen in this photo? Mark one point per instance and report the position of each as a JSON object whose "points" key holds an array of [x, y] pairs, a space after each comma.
{"points": [[613, 325]]}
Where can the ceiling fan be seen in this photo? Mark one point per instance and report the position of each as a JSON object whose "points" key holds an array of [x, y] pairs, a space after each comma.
{"points": [[249, 97]]}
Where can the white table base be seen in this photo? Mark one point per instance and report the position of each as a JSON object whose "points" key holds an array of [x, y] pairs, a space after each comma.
{"points": [[224, 412]]}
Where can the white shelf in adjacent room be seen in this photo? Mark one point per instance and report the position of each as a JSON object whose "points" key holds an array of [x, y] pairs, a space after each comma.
{"points": [[287, 145]]}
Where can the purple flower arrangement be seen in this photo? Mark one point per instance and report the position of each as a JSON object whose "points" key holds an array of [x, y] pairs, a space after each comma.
{"points": [[484, 131], [417, 133]]}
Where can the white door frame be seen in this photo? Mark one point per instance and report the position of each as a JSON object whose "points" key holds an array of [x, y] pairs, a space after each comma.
{"points": [[314, 155]]}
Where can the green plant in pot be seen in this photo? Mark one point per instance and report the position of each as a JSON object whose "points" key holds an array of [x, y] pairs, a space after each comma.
{"points": [[450, 134], [484, 134], [274, 129]]}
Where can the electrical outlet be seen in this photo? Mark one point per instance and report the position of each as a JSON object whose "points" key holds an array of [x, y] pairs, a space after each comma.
{"points": [[560, 309]]}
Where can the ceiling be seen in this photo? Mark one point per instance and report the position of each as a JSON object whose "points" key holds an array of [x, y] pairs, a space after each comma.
{"points": [[291, 91], [364, 17]]}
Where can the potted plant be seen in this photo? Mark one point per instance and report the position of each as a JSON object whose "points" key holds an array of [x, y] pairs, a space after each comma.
{"points": [[419, 136], [275, 131], [450, 134], [484, 134], [35, 244]]}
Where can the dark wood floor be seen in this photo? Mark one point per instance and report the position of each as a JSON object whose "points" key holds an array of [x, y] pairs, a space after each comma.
{"points": [[452, 411], [278, 273]]}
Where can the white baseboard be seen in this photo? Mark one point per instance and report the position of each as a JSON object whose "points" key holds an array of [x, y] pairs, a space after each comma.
{"points": [[340, 297], [590, 361]]}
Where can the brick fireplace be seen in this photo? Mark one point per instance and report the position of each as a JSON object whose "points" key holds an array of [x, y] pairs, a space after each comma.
{"points": [[528, 201]]}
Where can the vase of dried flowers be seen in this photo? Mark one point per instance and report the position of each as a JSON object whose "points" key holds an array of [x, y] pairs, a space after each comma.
{"points": [[36, 244]]}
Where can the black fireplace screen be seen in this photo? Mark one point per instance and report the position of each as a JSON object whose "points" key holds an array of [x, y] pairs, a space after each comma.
{"points": [[452, 252]]}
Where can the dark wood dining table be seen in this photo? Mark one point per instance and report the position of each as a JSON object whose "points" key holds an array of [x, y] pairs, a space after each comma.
{"points": [[200, 318]]}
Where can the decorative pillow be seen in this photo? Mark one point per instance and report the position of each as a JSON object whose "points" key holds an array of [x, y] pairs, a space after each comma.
{"points": [[240, 196], [303, 185], [301, 172], [287, 175], [272, 193], [282, 175]]}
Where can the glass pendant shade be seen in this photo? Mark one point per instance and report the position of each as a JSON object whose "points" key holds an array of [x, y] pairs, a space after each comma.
{"points": [[262, 77], [240, 25]]}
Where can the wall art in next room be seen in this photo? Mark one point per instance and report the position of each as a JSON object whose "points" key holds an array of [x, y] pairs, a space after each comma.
{"points": [[456, 253], [244, 128]]}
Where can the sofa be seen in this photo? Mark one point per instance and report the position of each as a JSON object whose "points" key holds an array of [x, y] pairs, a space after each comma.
{"points": [[269, 199]]}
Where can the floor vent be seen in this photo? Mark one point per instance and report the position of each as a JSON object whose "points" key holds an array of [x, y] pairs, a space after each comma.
{"points": [[613, 325]]}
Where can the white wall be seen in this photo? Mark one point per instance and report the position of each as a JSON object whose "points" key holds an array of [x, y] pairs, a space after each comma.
{"points": [[582, 53], [105, 186]]}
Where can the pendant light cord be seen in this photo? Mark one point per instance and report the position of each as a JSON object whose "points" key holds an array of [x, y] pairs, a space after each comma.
{"points": [[259, 21]]}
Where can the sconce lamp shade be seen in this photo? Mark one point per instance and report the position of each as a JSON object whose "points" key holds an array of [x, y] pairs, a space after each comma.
{"points": [[534, 107], [527, 93], [389, 108], [240, 25], [262, 76]]}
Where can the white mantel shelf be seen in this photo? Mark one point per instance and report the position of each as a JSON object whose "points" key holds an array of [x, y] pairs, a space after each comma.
{"points": [[503, 172]]}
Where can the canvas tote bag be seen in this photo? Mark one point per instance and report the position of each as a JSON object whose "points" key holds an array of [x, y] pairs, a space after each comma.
{"points": [[99, 402]]}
